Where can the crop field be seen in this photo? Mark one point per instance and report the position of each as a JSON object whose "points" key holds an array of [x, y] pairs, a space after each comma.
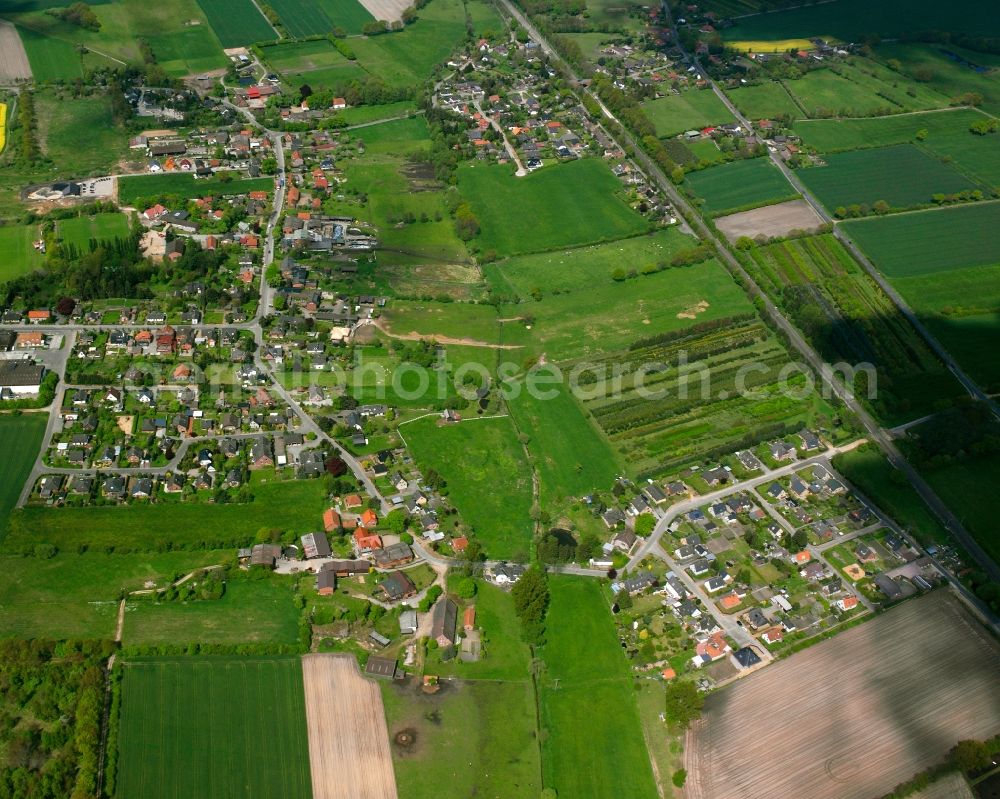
{"points": [[478, 737], [14, 65], [662, 420], [188, 51], [487, 478], [347, 14], [884, 717], [737, 185], [249, 611], [302, 18], [848, 20], [907, 245], [764, 100], [586, 671], [901, 175], [237, 22], [19, 256], [959, 484], [184, 186], [220, 727], [76, 595], [568, 326], [944, 134], [770, 220], [303, 56], [51, 59], [293, 505], [81, 230], [20, 438], [529, 214], [690, 110], [848, 318], [348, 741]]}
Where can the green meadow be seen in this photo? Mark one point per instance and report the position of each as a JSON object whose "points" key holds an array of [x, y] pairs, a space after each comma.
{"points": [[693, 109]]}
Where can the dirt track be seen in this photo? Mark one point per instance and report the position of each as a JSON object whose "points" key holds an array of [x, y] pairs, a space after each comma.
{"points": [[771, 220], [348, 741], [851, 717], [13, 60]]}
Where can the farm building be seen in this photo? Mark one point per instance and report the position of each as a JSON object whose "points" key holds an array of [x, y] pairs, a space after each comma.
{"points": [[445, 617], [393, 555], [315, 545], [20, 378], [347, 568], [397, 586], [326, 582], [381, 667]]}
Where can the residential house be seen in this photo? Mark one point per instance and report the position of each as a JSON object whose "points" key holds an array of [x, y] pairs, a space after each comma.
{"points": [[397, 586]]}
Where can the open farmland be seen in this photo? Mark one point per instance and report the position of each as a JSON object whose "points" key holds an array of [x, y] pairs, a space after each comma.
{"points": [[302, 18], [348, 741], [848, 318], [948, 69], [740, 184], [764, 100], [529, 214], [237, 22], [902, 176], [20, 438], [488, 480], [14, 65], [586, 752], [694, 109], [905, 245], [770, 220], [51, 59], [221, 727], [351, 15], [852, 717]]}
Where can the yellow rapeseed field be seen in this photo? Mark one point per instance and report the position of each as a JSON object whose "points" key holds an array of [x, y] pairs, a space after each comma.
{"points": [[3, 125]]}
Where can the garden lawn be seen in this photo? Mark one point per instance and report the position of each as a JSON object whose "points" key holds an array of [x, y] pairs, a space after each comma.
{"points": [[76, 596], [586, 675], [292, 505], [691, 110], [906, 245], [561, 206], [250, 611], [487, 478], [198, 726], [764, 100], [237, 22], [20, 439], [740, 185], [80, 230], [902, 176], [476, 738], [19, 257]]}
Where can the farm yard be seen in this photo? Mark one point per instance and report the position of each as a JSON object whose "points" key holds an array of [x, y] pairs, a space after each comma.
{"points": [[901, 175], [201, 727], [692, 110], [530, 214], [848, 318], [884, 717], [740, 185], [348, 742], [237, 22]]}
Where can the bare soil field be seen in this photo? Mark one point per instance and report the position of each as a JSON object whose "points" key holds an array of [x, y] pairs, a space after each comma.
{"points": [[852, 717], [771, 220], [14, 64], [389, 10], [348, 741], [950, 786]]}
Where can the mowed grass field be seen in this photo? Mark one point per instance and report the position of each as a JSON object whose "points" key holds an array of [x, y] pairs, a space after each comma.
{"points": [[560, 206], [220, 727], [592, 741], [764, 100], [693, 109], [907, 245], [901, 175], [20, 438], [184, 186], [19, 257], [81, 230], [293, 505], [237, 22], [488, 480], [740, 184], [888, 713]]}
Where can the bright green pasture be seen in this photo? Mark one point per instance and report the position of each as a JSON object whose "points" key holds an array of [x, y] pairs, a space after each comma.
{"points": [[905, 245], [560, 206], [488, 480], [80, 230], [19, 256], [764, 100], [728, 187], [693, 109], [201, 726], [20, 438], [901, 175]]}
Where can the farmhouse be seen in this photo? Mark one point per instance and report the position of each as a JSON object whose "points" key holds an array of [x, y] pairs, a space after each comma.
{"points": [[393, 555], [443, 622], [397, 586]]}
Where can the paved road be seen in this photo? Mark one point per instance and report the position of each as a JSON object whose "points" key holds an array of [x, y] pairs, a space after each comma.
{"points": [[798, 343]]}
